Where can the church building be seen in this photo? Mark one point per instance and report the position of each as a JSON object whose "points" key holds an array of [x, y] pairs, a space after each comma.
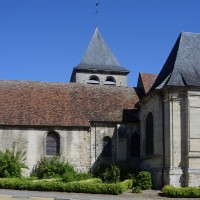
{"points": [[96, 118]]}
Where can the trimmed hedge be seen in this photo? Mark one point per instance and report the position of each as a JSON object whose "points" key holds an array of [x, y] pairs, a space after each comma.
{"points": [[88, 186], [187, 192]]}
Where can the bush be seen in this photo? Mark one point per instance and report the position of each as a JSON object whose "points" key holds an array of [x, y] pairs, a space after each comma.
{"points": [[69, 177], [12, 162], [111, 174], [136, 189], [144, 180], [83, 176], [52, 168], [188, 192], [87, 186], [108, 173]]}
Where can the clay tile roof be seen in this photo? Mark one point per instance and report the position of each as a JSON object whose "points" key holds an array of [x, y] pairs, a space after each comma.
{"points": [[62, 104], [145, 82]]}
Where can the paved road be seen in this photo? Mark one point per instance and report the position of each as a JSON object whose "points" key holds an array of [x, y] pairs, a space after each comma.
{"points": [[34, 195]]}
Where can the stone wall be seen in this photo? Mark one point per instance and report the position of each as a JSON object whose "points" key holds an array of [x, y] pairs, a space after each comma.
{"points": [[121, 80], [176, 157], [120, 144], [74, 145], [154, 162], [82, 147], [175, 136], [193, 172]]}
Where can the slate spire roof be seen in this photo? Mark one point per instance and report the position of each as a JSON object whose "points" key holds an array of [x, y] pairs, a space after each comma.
{"points": [[98, 56], [183, 64]]}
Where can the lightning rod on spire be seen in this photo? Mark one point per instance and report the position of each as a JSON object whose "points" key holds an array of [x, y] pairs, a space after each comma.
{"points": [[97, 11]]}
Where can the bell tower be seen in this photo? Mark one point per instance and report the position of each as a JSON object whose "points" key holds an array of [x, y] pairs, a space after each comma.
{"points": [[99, 65]]}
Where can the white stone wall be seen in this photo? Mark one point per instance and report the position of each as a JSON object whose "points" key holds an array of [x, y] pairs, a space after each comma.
{"points": [[169, 106], [176, 136], [98, 132], [74, 145], [153, 163], [82, 147], [193, 138], [81, 77], [120, 146]]}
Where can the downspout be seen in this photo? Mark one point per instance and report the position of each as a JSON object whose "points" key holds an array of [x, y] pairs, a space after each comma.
{"points": [[95, 132], [163, 129], [90, 148]]}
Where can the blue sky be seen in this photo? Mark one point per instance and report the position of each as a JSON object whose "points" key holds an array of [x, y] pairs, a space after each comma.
{"points": [[42, 40]]}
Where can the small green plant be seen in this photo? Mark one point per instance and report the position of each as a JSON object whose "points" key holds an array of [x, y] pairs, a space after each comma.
{"points": [[108, 173], [136, 189], [144, 180], [12, 162], [52, 168]]}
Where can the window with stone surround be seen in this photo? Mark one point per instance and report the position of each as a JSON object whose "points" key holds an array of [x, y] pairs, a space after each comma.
{"points": [[52, 144], [149, 134], [107, 147]]}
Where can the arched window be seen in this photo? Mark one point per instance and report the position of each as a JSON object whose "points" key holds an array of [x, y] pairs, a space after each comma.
{"points": [[52, 144], [149, 134], [110, 81], [107, 147], [94, 80], [135, 145]]}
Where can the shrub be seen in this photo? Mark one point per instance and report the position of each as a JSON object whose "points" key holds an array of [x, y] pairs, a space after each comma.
{"points": [[136, 189], [87, 186], [108, 173], [69, 177], [52, 168], [12, 162], [83, 176], [111, 174], [99, 170], [188, 192], [144, 180]]}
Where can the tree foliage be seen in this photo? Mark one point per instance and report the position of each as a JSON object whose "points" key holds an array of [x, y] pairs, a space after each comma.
{"points": [[12, 162]]}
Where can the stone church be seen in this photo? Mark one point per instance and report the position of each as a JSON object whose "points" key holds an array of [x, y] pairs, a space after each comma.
{"points": [[97, 118]]}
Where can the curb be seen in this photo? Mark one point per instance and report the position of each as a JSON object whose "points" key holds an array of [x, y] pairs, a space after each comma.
{"points": [[7, 197]]}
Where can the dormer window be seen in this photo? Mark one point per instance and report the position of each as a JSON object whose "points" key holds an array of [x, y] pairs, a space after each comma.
{"points": [[110, 81], [93, 80]]}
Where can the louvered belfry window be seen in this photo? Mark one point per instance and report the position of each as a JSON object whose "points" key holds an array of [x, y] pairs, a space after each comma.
{"points": [[52, 144]]}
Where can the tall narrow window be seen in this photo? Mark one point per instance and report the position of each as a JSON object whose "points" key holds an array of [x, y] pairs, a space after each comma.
{"points": [[135, 145], [107, 147], [52, 144], [149, 134]]}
